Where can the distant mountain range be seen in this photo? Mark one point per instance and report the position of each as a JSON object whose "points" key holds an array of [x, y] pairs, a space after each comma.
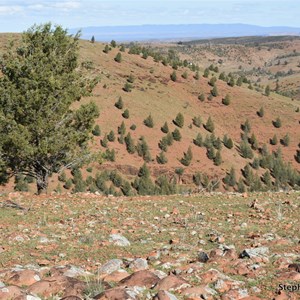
{"points": [[180, 32]]}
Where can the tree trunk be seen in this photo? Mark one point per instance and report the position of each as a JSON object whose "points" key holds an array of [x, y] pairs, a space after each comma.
{"points": [[42, 182]]}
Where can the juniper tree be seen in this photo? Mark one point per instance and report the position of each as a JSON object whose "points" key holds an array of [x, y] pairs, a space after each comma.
{"points": [[40, 131], [149, 121], [165, 128], [209, 126], [119, 104], [179, 120]]}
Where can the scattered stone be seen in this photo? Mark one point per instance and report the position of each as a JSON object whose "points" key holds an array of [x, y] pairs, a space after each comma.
{"points": [[116, 276], [142, 278], [119, 240], [10, 292], [164, 295], [255, 252], [76, 272], [111, 266], [114, 294], [173, 283], [139, 264], [24, 277], [203, 257], [295, 267]]}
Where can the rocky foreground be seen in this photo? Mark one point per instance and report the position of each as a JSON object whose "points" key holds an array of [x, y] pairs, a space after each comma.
{"points": [[164, 248]]}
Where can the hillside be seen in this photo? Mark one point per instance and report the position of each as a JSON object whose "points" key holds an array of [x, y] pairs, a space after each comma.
{"points": [[154, 93]]}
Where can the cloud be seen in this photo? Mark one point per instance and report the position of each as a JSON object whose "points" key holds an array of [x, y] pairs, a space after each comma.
{"points": [[67, 5], [10, 9]]}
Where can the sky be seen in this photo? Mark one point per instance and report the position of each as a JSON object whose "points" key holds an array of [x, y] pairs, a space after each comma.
{"points": [[19, 15]]}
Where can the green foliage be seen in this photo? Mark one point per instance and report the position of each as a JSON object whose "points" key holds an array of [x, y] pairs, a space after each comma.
{"points": [[253, 142], [169, 139], [110, 155], [214, 92], [126, 189], [143, 149], [231, 82], [274, 140], [68, 184], [218, 158], [241, 186], [118, 57], [212, 81], [93, 40], [256, 163], [228, 143], [187, 157], [246, 127], [163, 144], [267, 91], [246, 150], [106, 49], [133, 127], [127, 87], [198, 140], [161, 158], [130, 78], [130, 147], [223, 77], [104, 141], [176, 135], [179, 120], [122, 48], [113, 43], [197, 76], [149, 121], [261, 112], [184, 75], [165, 128], [239, 82], [119, 104], [209, 126], [179, 171], [143, 183], [226, 101], [40, 132], [286, 140], [173, 76], [96, 131], [206, 73], [210, 153], [111, 136], [297, 156], [197, 178], [122, 128], [201, 97], [197, 121], [230, 178], [164, 186], [125, 114], [62, 177], [277, 123], [21, 185]]}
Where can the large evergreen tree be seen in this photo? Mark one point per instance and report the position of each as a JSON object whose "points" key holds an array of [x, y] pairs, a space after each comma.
{"points": [[40, 132]]}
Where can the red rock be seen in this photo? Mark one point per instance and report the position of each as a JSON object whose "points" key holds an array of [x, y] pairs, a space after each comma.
{"points": [[231, 253], [10, 292], [140, 278], [210, 276], [172, 282], [114, 294], [163, 295], [292, 276], [24, 277], [199, 292], [116, 276], [71, 298]]}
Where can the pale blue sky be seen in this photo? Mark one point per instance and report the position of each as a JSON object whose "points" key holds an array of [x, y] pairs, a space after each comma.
{"points": [[18, 15]]}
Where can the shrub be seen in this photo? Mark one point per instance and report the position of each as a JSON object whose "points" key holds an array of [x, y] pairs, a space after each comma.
{"points": [[286, 140], [163, 144], [218, 158], [231, 82], [122, 48], [209, 126], [119, 104], [169, 138], [198, 140], [214, 92], [184, 75], [197, 76], [129, 143], [227, 142], [201, 97], [176, 135], [111, 136], [143, 149], [246, 127], [187, 157], [274, 140], [197, 121], [210, 152], [179, 120], [267, 91], [96, 131], [118, 57], [113, 43], [253, 142], [173, 76], [246, 150], [130, 78], [21, 185], [197, 178], [62, 177], [106, 49], [127, 87], [104, 141], [125, 114], [297, 156], [261, 112], [161, 158], [149, 121], [110, 155], [226, 100], [277, 123], [217, 144], [68, 184], [206, 73], [122, 128], [165, 128], [230, 178], [241, 186], [133, 127], [212, 81]]}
